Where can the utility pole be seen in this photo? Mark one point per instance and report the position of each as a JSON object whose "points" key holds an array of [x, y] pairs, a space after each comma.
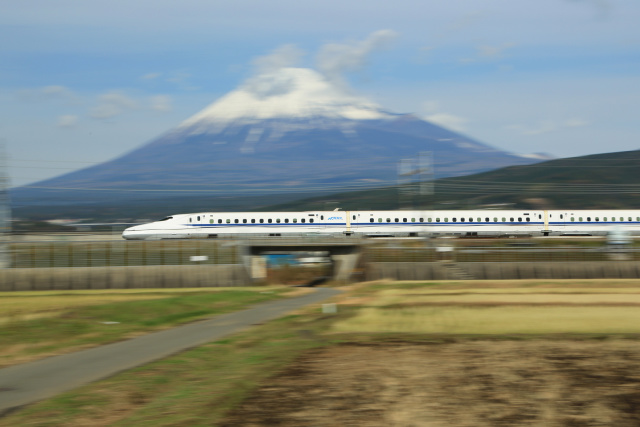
{"points": [[406, 184], [425, 178], [5, 209], [415, 181]]}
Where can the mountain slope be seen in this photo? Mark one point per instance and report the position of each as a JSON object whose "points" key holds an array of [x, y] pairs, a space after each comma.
{"points": [[599, 181], [287, 131], [610, 180]]}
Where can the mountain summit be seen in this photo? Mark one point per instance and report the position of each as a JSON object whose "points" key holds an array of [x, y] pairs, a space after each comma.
{"points": [[299, 93], [286, 130]]}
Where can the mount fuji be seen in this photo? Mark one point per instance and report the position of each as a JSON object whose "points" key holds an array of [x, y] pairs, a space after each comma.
{"points": [[289, 130]]}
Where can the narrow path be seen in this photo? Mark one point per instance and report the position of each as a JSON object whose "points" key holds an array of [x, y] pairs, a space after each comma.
{"points": [[30, 382]]}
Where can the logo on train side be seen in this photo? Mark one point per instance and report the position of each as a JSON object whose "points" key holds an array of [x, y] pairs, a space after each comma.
{"points": [[333, 218]]}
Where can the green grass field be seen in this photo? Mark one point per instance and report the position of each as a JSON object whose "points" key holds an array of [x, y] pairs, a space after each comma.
{"points": [[38, 324]]}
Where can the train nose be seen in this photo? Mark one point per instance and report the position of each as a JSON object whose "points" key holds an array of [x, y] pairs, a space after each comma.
{"points": [[131, 233]]}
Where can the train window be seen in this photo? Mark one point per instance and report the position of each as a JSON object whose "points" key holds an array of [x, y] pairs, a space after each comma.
{"points": [[454, 220], [228, 221], [388, 219], [379, 219], [198, 217], [370, 219], [261, 221], [236, 220], [589, 218], [278, 220], [413, 220], [504, 219], [510, 219], [621, 219], [572, 219], [219, 221], [270, 220], [495, 219], [429, 219], [190, 219], [446, 220], [210, 221], [519, 219], [480, 220], [404, 219], [540, 216], [354, 217], [310, 219], [253, 221], [638, 218], [396, 219], [597, 219], [295, 220], [322, 217], [486, 220], [580, 219], [437, 219], [244, 221], [560, 216], [528, 219], [629, 218], [303, 220], [604, 219], [422, 220], [286, 220]]}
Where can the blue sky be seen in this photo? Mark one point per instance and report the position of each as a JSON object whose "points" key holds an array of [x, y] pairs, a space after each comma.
{"points": [[84, 81]]}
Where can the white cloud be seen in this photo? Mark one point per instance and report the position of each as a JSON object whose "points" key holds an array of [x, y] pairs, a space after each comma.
{"points": [[273, 72], [575, 122], [448, 121], [603, 8], [334, 59], [112, 104], [56, 91], [181, 79], [284, 56], [493, 52], [52, 92], [150, 76], [67, 121], [161, 103], [547, 126], [488, 53]]}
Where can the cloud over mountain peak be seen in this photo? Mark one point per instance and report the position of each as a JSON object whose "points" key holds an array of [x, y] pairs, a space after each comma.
{"points": [[288, 93]]}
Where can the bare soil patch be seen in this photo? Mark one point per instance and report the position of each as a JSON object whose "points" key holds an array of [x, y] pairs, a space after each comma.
{"points": [[472, 383]]}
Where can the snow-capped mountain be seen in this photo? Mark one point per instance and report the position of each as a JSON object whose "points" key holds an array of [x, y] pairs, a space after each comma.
{"points": [[290, 129], [294, 93]]}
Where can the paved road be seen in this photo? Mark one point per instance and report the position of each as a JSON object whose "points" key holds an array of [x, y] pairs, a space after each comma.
{"points": [[30, 382]]}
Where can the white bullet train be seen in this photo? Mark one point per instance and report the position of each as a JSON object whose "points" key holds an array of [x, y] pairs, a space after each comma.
{"points": [[398, 223]]}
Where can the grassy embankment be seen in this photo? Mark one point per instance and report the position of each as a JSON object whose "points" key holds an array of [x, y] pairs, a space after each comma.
{"points": [[197, 387]]}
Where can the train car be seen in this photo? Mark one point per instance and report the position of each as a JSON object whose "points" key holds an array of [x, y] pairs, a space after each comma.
{"points": [[397, 223]]}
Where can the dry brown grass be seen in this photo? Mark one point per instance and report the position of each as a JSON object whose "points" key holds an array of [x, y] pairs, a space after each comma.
{"points": [[496, 320], [494, 307]]}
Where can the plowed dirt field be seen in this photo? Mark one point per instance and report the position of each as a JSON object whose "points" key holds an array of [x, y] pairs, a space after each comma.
{"points": [[472, 383]]}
